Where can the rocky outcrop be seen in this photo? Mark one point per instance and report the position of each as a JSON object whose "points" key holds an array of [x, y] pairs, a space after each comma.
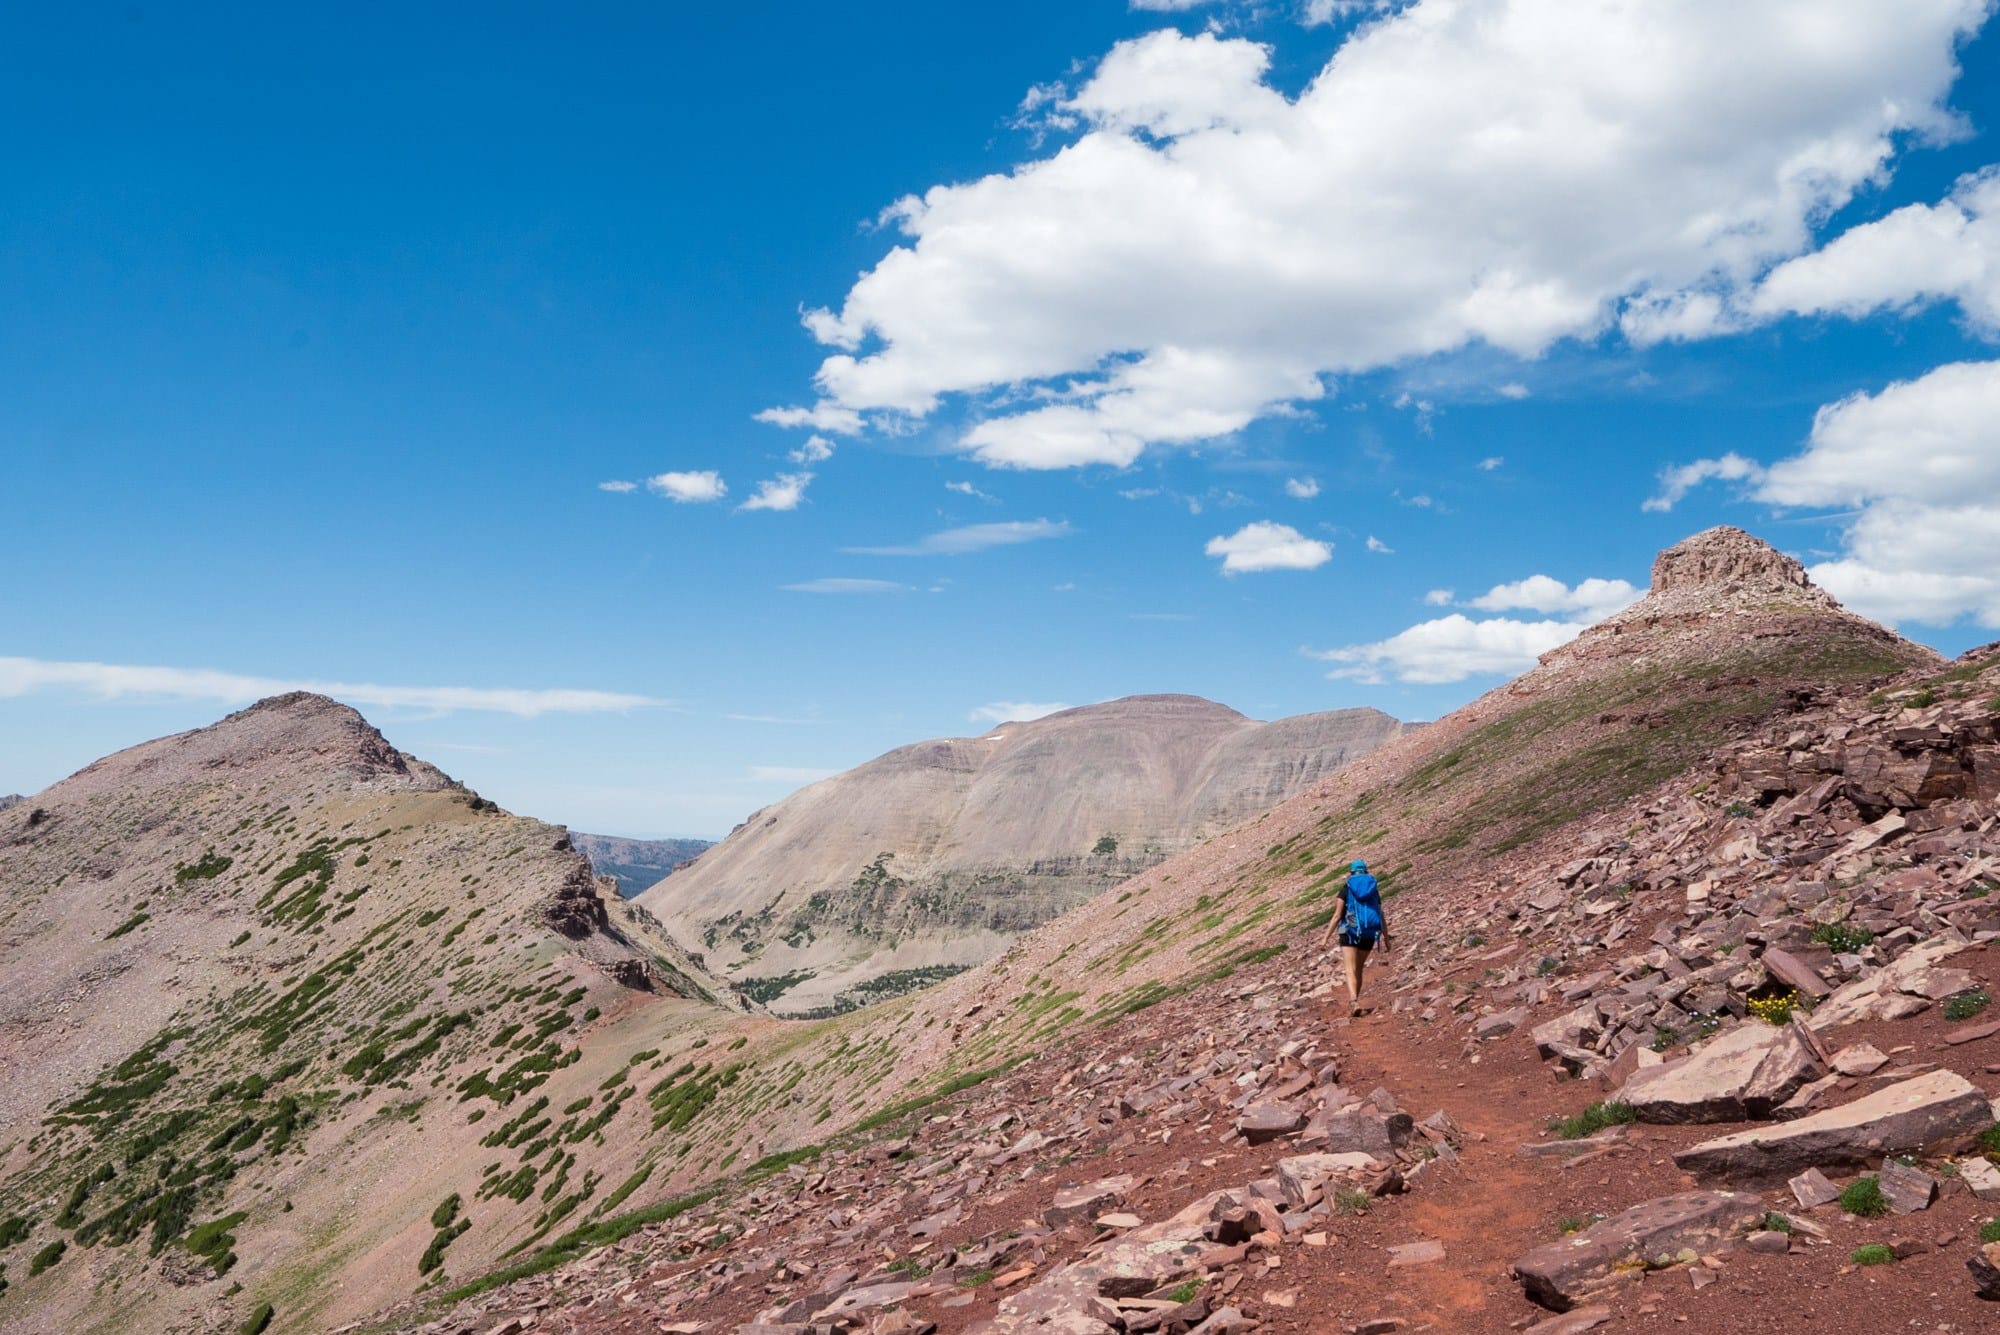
{"points": [[637, 865], [935, 856]]}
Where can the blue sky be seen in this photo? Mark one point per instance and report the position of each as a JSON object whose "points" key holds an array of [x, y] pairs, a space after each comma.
{"points": [[1298, 355]]}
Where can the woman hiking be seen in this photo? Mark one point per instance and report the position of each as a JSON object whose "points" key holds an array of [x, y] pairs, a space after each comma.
{"points": [[1360, 926]]}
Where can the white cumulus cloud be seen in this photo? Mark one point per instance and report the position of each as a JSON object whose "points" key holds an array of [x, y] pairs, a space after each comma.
{"points": [[1267, 546], [111, 681], [1453, 647], [1916, 256], [817, 449], [689, 488], [1204, 250], [783, 492], [1450, 649], [1592, 599], [1301, 488]]}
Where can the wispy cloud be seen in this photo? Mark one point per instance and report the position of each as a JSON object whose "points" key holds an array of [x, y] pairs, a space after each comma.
{"points": [[844, 586], [1301, 488], [789, 774], [821, 417], [618, 486], [689, 488], [817, 449], [109, 681], [967, 489], [1490, 462], [972, 538], [1014, 711]]}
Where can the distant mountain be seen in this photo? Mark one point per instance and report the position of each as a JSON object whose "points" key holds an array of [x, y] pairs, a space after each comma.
{"points": [[935, 856], [637, 863], [11, 800], [258, 983]]}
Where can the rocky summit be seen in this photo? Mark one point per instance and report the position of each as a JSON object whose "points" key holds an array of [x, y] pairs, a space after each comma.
{"points": [[934, 857], [1687, 1022]]}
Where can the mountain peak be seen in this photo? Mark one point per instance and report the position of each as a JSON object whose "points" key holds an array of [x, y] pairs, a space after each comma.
{"points": [[1725, 559]]}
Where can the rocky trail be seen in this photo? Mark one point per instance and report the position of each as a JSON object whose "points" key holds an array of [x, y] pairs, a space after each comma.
{"points": [[1769, 981]]}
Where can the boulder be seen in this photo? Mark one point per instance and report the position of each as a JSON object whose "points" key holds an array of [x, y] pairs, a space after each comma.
{"points": [[1985, 1267], [1783, 967], [1860, 1059], [1907, 1189], [1500, 1023], [1087, 1202], [1265, 1122], [1365, 1131], [1302, 1176], [1659, 1233], [1812, 1190], [1941, 1106], [1744, 1073], [1981, 1177]]}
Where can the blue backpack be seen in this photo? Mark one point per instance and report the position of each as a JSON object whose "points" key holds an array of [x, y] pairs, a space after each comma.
{"points": [[1364, 908]]}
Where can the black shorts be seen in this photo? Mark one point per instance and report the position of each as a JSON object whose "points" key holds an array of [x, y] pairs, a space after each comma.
{"points": [[1348, 938]]}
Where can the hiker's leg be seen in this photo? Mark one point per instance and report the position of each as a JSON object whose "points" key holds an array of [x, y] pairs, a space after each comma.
{"points": [[1359, 968], [1350, 956]]}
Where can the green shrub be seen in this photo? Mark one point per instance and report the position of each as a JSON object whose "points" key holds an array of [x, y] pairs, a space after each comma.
{"points": [[47, 1257], [1593, 1119], [1864, 1197], [1989, 1139], [1105, 846], [13, 1230], [207, 869], [1967, 1004], [1776, 1221], [1349, 1201], [1873, 1254], [446, 1211], [131, 924], [259, 1322], [1842, 939], [1990, 1231]]}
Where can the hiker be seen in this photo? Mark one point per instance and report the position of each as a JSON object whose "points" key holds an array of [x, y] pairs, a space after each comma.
{"points": [[1360, 926]]}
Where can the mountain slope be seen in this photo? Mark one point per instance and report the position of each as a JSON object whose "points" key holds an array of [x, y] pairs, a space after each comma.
{"points": [[263, 982], [637, 864], [1456, 816], [934, 856]]}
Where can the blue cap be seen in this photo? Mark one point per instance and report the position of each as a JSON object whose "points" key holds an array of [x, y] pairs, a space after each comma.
{"points": [[1360, 866]]}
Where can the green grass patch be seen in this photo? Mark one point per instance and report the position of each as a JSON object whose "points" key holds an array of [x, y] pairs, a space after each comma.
{"points": [[1593, 1119], [581, 1240], [1864, 1197], [1874, 1253], [1967, 1004]]}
